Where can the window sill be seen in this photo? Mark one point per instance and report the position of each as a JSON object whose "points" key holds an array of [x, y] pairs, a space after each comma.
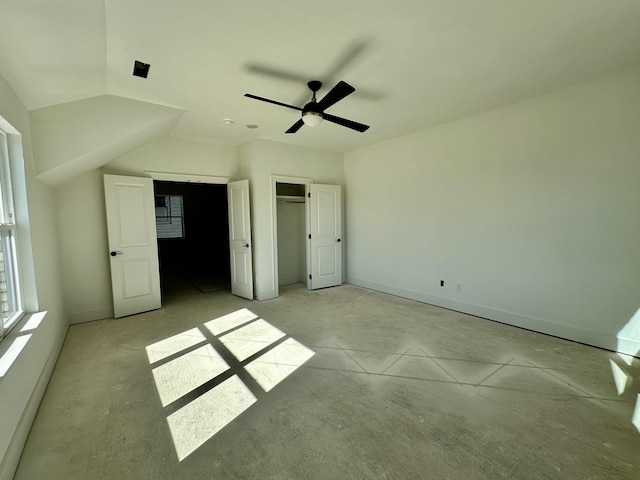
{"points": [[17, 338]]}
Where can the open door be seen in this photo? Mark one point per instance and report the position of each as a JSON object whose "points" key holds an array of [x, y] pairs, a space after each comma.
{"points": [[325, 235], [240, 239], [133, 247]]}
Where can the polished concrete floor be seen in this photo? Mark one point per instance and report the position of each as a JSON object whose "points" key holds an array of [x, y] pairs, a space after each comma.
{"points": [[341, 383]]}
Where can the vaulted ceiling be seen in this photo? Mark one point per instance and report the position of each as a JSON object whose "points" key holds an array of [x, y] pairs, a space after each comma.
{"points": [[414, 63]]}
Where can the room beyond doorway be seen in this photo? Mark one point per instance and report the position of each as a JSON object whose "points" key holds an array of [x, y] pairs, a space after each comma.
{"points": [[193, 236]]}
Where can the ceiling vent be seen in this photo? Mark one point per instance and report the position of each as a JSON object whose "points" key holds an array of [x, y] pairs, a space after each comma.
{"points": [[140, 69]]}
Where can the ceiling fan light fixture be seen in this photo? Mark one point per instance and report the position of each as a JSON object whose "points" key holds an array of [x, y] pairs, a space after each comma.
{"points": [[312, 119]]}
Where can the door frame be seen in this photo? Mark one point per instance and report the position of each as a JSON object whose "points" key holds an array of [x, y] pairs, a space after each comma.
{"points": [[275, 179], [189, 178]]}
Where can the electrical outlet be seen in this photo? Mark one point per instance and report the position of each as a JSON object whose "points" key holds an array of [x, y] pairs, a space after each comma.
{"points": [[459, 287]]}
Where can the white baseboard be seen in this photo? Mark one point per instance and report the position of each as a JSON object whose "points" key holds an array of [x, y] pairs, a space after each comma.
{"points": [[90, 315], [567, 332]]}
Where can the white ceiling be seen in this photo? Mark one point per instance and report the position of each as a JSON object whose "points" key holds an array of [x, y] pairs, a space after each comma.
{"points": [[414, 63]]}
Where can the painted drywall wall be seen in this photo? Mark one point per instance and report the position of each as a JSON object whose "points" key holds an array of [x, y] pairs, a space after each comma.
{"points": [[80, 206], [532, 209], [23, 386], [259, 160], [103, 128], [292, 254], [178, 155], [84, 249], [82, 219]]}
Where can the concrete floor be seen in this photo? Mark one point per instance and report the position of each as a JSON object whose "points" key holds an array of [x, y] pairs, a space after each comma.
{"points": [[395, 390]]}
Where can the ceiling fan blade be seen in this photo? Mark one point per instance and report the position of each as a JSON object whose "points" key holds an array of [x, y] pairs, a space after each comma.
{"points": [[255, 97], [337, 93], [276, 72], [345, 123], [295, 127], [348, 55]]}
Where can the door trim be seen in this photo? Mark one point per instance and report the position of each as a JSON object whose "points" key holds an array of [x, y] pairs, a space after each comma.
{"points": [[187, 178]]}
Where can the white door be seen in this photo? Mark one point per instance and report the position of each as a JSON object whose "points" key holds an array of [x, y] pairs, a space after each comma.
{"points": [[133, 247], [240, 239], [325, 241]]}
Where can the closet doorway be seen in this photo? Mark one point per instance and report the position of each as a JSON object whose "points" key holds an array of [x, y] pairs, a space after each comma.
{"points": [[307, 231], [193, 236], [291, 230]]}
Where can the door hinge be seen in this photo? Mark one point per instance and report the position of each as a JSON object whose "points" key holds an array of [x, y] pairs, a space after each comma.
{"points": [[309, 236], [310, 277], [309, 194]]}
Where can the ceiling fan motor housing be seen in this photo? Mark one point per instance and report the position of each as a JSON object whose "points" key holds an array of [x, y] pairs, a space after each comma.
{"points": [[312, 107], [314, 85]]}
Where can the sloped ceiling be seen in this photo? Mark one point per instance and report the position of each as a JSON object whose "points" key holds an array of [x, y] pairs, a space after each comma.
{"points": [[103, 127], [53, 52], [414, 63]]}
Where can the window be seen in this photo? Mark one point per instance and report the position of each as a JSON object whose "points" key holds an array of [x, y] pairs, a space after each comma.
{"points": [[10, 296], [169, 216]]}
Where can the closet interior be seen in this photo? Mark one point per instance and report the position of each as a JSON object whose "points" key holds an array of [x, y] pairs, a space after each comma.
{"points": [[291, 220]]}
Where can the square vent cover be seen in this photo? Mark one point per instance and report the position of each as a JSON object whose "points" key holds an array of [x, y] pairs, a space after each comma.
{"points": [[140, 69]]}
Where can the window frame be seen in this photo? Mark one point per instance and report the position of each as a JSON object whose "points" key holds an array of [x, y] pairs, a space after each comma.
{"points": [[8, 237]]}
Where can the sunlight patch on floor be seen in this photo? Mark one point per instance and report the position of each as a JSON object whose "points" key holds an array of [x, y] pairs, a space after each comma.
{"points": [[187, 372], [636, 415], [629, 336], [278, 363], [250, 339], [628, 347], [172, 345], [201, 419], [243, 336], [621, 378], [230, 321]]}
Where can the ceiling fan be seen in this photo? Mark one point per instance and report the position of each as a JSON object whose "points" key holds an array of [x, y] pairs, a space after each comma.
{"points": [[314, 112]]}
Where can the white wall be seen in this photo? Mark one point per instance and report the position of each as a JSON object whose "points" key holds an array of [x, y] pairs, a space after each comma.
{"points": [[259, 160], [292, 256], [80, 206], [23, 386], [178, 155], [82, 218], [102, 128], [84, 250], [533, 209]]}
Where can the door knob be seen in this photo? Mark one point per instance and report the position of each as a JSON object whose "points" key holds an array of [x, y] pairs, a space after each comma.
{"points": [[338, 240], [246, 245], [114, 253]]}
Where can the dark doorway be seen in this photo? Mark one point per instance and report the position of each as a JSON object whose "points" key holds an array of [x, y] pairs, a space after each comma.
{"points": [[193, 236]]}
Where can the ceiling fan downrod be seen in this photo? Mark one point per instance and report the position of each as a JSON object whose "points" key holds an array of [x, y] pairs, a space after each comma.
{"points": [[311, 113]]}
